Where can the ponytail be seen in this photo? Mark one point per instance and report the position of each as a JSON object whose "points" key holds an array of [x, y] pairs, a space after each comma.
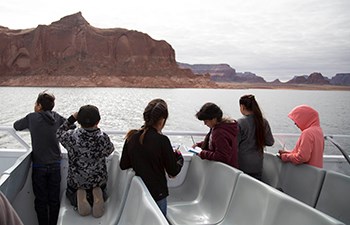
{"points": [[129, 134], [156, 110], [144, 131], [252, 105]]}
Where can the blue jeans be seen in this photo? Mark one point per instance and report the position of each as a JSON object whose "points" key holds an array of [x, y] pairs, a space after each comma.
{"points": [[46, 187], [162, 204]]}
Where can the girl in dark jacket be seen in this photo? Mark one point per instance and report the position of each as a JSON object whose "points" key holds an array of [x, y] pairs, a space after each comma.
{"points": [[220, 144], [150, 153]]}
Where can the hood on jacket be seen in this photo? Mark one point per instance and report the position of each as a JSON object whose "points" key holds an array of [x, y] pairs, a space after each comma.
{"points": [[48, 116], [228, 126], [88, 132], [304, 117]]}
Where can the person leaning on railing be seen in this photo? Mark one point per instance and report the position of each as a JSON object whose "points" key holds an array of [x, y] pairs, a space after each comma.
{"points": [[88, 147], [310, 145], [46, 155], [220, 144], [150, 154], [254, 135]]}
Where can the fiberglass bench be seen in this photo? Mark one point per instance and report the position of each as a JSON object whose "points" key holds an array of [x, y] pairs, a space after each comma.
{"points": [[256, 203], [302, 182], [14, 178], [140, 208], [334, 198], [117, 188], [204, 195], [16, 185]]}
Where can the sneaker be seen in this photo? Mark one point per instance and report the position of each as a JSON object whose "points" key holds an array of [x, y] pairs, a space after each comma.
{"points": [[98, 206], [84, 207]]}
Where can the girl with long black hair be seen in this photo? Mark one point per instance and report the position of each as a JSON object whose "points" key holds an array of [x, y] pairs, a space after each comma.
{"points": [[150, 154], [254, 134]]}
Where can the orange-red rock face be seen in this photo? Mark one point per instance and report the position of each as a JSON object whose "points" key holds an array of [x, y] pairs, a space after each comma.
{"points": [[71, 46]]}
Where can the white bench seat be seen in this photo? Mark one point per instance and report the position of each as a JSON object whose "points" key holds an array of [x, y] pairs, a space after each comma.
{"points": [[302, 182], [117, 189], [140, 208], [256, 203], [334, 197], [205, 194]]}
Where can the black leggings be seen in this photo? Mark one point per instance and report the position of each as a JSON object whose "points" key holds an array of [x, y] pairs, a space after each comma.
{"points": [[257, 176]]}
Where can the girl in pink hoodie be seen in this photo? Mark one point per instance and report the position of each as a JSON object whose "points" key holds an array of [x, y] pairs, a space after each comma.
{"points": [[310, 145]]}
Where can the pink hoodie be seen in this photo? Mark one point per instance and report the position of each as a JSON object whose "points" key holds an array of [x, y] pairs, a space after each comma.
{"points": [[310, 145]]}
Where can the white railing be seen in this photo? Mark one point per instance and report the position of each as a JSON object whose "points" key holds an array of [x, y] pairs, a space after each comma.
{"points": [[13, 133], [279, 137]]}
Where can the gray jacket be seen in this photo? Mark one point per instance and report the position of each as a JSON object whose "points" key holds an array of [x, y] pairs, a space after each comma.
{"points": [[42, 126], [250, 158]]}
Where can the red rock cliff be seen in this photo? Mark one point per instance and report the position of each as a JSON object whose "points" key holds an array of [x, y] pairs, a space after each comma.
{"points": [[71, 46]]}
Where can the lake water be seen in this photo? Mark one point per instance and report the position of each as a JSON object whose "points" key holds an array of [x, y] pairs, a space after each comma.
{"points": [[121, 108]]}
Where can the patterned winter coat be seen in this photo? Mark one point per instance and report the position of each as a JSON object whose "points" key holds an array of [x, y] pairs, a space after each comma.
{"points": [[87, 152]]}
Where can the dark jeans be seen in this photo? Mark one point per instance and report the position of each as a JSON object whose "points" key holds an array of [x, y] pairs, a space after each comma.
{"points": [[162, 204], [257, 176], [46, 187]]}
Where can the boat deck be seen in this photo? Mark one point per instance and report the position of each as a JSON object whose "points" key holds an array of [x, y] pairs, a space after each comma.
{"points": [[205, 192]]}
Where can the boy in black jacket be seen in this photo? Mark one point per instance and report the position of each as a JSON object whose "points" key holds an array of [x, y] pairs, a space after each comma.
{"points": [[46, 156]]}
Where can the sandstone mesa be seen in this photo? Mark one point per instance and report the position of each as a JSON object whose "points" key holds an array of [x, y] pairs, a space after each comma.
{"points": [[72, 53]]}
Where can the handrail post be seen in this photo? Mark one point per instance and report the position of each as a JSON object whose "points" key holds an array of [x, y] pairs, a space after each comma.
{"points": [[331, 140], [18, 138]]}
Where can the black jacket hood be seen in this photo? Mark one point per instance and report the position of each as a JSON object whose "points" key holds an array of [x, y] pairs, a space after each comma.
{"points": [[48, 116]]}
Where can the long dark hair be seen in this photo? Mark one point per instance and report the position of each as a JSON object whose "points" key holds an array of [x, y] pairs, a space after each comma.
{"points": [[156, 110], [252, 105]]}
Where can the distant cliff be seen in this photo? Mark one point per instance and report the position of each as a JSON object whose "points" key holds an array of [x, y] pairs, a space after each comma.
{"points": [[314, 78], [71, 46], [222, 73], [341, 79], [225, 73]]}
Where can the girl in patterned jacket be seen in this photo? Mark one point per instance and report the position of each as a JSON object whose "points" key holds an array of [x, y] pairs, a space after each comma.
{"points": [[87, 149]]}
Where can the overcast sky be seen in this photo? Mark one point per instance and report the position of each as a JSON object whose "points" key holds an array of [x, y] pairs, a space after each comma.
{"points": [[272, 38]]}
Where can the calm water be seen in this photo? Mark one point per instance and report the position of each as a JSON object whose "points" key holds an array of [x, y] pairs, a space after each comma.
{"points": [[121, 108]]}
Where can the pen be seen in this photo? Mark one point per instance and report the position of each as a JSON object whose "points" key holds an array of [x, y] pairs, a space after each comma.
{"points": [[193, 140]]}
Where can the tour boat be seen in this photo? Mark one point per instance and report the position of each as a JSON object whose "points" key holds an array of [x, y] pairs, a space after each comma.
{"points": [[205, 192]]}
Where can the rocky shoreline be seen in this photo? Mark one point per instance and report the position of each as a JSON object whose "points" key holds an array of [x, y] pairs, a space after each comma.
{"points": [[283, 86], [148, 82]]}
